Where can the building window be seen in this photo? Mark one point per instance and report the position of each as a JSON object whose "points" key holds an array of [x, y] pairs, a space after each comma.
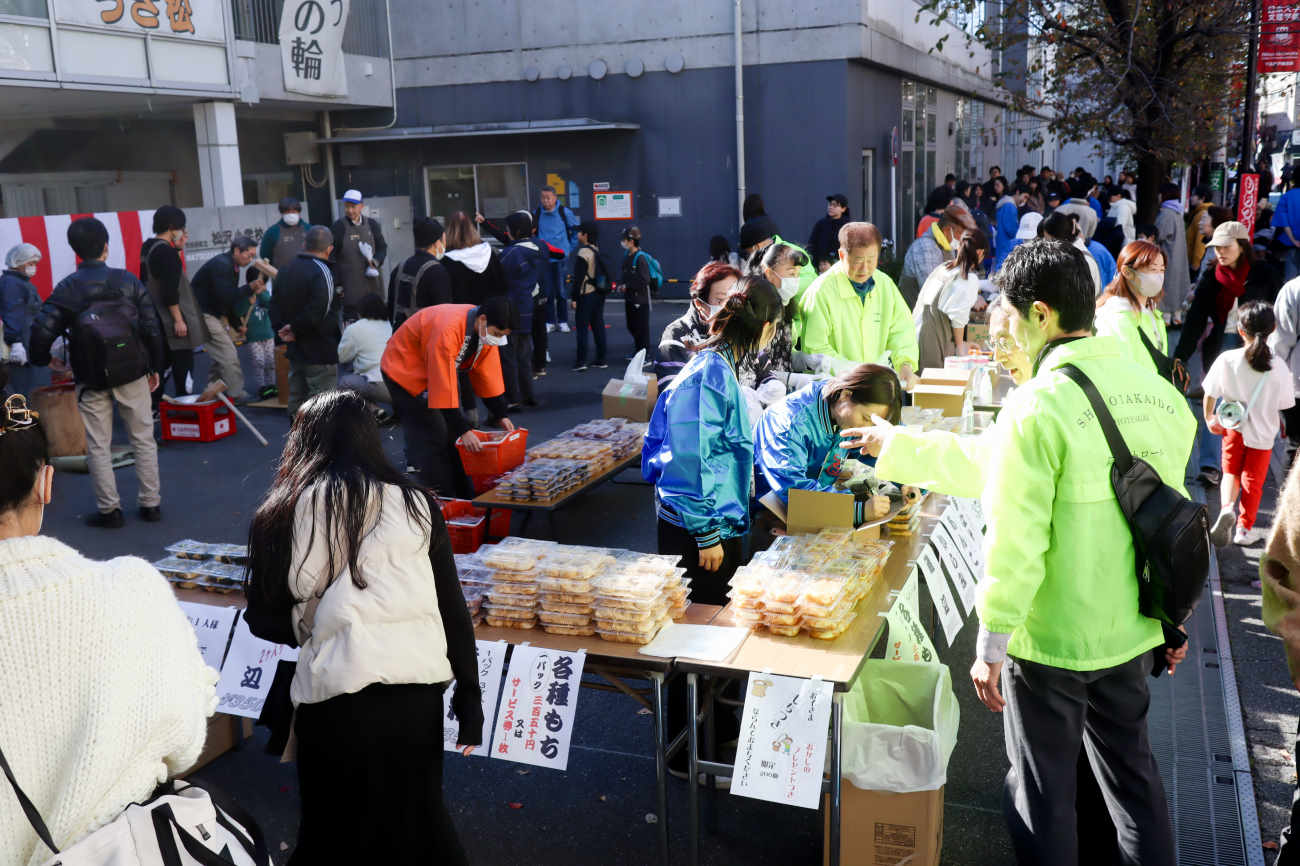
{"points": [[868, 184], [492, 189]]}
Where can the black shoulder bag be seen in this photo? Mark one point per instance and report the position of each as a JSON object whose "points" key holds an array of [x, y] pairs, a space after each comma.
{"points": [[1171, 533]]}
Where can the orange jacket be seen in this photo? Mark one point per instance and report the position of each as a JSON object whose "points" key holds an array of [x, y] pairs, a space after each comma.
{"points": [[423, 355]]}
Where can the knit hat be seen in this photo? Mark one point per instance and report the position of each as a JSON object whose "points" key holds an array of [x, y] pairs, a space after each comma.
{"points": [[428, 231], [757, 230]]}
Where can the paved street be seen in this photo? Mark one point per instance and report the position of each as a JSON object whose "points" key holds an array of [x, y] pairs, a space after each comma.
{"points": [[597, 812]]}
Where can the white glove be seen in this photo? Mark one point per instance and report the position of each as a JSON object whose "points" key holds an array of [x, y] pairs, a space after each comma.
{"points": [[770, 391], [366, 250], [753, 404], [371, 272], [18, 354]]}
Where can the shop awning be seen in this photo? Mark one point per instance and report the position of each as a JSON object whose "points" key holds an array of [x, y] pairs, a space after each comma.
{"points": [[468, 130]]}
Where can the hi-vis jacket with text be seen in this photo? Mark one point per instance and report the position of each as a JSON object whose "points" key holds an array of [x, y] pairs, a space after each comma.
{"points": [[699, 450], [1060, 564], [839, 325]]}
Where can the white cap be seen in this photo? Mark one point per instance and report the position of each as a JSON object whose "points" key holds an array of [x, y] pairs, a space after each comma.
{"points": [[1029, 226], [352, 195]]}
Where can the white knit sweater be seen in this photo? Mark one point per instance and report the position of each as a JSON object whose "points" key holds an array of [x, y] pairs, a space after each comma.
{"points": [[103, 693]]}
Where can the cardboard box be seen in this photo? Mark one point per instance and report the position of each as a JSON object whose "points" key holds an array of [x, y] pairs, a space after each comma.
{"points": [[977, 332], [223, 735], [813, 510], [617, 404], [949, 398], [885, 829], [947, 376]]}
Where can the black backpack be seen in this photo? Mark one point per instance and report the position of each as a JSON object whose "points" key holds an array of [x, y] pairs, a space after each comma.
{"points": [[1171, 533], [105, 339]]}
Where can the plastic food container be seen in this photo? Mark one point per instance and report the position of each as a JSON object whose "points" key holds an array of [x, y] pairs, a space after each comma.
{"points": [[570, 630], [629, 620], [624, 585], [784, 630], [824, 592], [565, 584], [583, 609], [835, 631], [551, 599], [509, 611], [515, 588], [503, 622], [496, 599], [550, 617], [782, 619]]}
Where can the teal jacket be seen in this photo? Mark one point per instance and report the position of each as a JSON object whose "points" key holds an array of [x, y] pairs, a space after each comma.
{"points": [[699, 450]]}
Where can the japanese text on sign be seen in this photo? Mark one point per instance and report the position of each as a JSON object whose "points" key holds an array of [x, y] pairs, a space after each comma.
{"points": [[491, 660], [539, 701], [200, 19], [907, 638], [247, 674], [311, 46], [782, 747], [212, 627], [950, 615], [958, 569]]}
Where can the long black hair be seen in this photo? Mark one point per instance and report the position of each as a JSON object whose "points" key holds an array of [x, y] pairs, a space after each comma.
{"points": [[869, 384], [334, 453], [23, 451], [1258, 320], [752, 305]]}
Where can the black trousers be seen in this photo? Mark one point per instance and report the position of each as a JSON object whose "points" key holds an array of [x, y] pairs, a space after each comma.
{"points": [[429, 446], [590, 314], [541, 341], [1289, 852], [370, 774], [517, 367], [1051, 716], [638, 325]]}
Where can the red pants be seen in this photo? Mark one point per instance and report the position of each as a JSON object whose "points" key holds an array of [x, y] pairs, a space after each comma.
{"points": [[1251, 464]]}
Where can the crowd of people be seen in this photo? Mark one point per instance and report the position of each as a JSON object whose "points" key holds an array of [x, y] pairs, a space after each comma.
{"points": [[789, 370]]}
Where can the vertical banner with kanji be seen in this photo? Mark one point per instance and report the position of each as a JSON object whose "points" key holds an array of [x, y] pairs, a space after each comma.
{"points": [[782, 748], [907, 638], [539, 700], [1248, 202], [1279, 36], [247, 674], [491, 661], [311, 47]]}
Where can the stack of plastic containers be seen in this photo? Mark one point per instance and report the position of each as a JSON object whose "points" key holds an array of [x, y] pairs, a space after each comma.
{"points": [[511, 602], [566, 597]]}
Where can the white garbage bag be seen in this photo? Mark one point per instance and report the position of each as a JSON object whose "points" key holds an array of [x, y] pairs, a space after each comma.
{"points": [[900, 727]]}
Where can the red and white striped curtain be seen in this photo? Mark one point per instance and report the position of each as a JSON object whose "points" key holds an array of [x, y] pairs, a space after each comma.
{"points": [[126, 231]]}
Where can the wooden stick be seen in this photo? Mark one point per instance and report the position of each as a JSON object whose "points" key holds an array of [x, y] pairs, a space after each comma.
{"points": [[242, 417], [265, 267]]}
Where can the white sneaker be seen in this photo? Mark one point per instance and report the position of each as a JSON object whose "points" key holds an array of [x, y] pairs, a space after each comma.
{"points": [[550, 327], [1247, 537], [1219, 533], [564, 327]]}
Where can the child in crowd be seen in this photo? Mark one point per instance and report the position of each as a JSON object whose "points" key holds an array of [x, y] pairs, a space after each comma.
{"points": [[254, 312], [1245, 392]]}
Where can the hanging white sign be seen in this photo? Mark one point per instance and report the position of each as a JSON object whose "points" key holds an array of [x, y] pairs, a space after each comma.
{"points": [[247, 674], [950, 615], [491, 660], [907, 638], [782, 747], [212, 627], [539, 700], [311, 47], [961, 574]]}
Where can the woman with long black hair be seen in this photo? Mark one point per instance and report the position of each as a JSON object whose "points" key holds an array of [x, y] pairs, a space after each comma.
{"points": [[358, 558]]}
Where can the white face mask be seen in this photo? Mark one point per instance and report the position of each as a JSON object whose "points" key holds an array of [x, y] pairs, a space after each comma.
{"points": [[788, 289], [291, 219], [490, 339], [29, 270], [1147, 283]]}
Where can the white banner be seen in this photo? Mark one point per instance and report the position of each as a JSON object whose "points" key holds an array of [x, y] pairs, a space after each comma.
{"points": [[311, 47], [907, 638], [491, 661], [247, 674], [950, 615], [958, 569], [539, 700], [212, 626], [782, 748]]}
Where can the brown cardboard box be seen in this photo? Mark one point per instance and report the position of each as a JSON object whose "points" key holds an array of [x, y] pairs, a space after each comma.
{"points": [[633, 408], [977, 332], [814, 510], [947, 376], [949, 398], [885, 829], [223, 735]]}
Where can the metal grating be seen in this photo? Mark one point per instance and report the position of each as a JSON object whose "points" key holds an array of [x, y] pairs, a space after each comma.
{"points": [[1196, 735]]}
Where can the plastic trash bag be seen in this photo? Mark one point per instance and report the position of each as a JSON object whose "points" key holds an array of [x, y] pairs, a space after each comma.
{"points": [[770, 391], [753, 405], [635, 382], [900, 727]]}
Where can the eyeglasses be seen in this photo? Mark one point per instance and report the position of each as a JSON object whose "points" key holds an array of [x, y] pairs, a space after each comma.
{"points": [[17, 415]]}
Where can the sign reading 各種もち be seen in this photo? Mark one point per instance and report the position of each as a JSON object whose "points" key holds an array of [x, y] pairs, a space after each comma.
{"points": [[212, 626], [491, 660], [539, 700], [247, 674], [782, 746], [311, 47]]}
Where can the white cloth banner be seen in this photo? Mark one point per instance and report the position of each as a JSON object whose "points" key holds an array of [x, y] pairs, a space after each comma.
{"points": [[958, 569], [950, 615], [539, 700], [247, 674], [782, 748], [491, 661], [907, 638], [311, 47], [212, 627]]}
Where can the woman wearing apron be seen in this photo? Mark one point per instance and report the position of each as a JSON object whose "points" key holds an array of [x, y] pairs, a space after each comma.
{"points": [[163, 273]]}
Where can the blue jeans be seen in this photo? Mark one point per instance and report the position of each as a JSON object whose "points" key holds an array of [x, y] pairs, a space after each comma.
{"points": [[1291, 263], [553, 278]]}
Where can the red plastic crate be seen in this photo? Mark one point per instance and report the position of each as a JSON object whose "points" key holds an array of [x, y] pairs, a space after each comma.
{"points": [[483, 483], [464, 539], [500, 453], [195, 422]]}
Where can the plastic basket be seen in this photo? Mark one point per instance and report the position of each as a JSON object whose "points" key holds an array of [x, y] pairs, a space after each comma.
{"points": [[500, 453], [464, 539]]}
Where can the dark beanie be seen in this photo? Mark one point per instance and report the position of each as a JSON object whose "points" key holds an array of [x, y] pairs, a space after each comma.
{"points": [[428, 231], [757, 230]]}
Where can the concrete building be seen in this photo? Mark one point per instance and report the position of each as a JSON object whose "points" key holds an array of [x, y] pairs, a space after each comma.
{"points": [[498, 97], [129, 104]]}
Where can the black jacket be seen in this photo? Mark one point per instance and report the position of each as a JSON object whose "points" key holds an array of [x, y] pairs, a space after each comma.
{"points": [[434, 287], [474, 287], [824, 242], [216, 287], [1262, 284], [381, 245], [93, 281], [304, 299]]}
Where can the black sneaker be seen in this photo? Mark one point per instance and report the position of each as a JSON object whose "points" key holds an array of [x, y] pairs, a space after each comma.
{"points": [[384, 418], [268, 392], [579, 368], [600, 365], [107, 519], [151, 513], [1210, 477]]}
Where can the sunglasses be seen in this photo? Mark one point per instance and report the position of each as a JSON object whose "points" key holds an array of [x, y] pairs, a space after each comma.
{"points": [[17, 415]]}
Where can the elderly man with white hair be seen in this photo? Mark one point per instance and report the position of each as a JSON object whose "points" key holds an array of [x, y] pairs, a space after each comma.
{"points": [[19, 302]]}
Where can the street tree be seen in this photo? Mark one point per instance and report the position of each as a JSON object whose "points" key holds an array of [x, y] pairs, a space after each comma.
{"points": [[1161, 79]]}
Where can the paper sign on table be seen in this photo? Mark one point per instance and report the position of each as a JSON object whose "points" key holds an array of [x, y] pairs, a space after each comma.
{"points": [[708, 643], [247, 674], [956, 565], [969, 540], [212, 627], [907, 638], [491, 660], [538, 702], [950, 615], [782, 748]]}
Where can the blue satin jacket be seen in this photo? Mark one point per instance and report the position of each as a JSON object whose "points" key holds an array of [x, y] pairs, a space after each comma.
{"points": [[796, 445], [699, 450]]}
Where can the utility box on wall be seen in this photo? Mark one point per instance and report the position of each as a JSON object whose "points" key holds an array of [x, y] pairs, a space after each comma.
{"points": [[300, 148]]}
